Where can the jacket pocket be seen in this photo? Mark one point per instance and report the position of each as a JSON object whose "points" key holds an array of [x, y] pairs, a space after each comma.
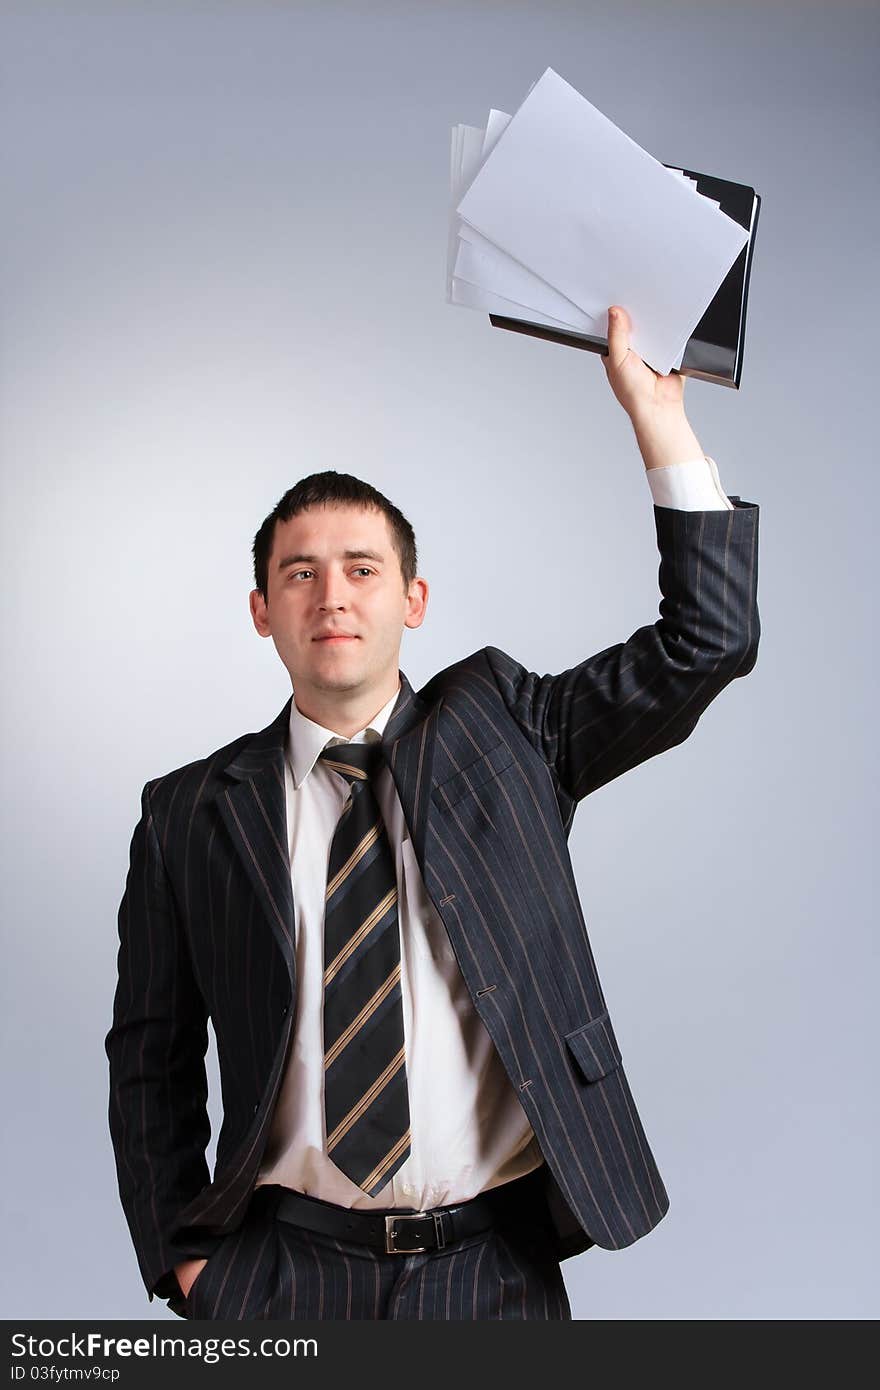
{"points": [[594, 1047], [480, 771]]}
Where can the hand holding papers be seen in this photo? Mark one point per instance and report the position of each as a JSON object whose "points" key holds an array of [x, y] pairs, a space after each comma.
{"points": [[556, 214], [647, 396]]}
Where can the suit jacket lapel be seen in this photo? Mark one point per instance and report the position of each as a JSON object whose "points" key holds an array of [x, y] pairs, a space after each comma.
{"points": [[408, 747], [254, 808]]}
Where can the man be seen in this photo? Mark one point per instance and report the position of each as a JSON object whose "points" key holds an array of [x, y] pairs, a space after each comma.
{"points": [[424, 1106]]}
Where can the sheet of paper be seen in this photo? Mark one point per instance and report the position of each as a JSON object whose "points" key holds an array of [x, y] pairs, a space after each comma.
{"points": [[568, 195], [465, 153], [481, 264], [680, 174], [473, 297], [492, 270]]}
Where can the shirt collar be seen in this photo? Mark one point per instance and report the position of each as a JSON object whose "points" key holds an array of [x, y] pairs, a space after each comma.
{"points": [[306, 739]]}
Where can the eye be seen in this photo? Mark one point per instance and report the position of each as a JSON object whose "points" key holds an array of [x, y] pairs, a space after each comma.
{"points": [[365, 569]]}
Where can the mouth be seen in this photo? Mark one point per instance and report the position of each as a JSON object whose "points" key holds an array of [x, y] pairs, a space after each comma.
{"points": [[336, 637]]}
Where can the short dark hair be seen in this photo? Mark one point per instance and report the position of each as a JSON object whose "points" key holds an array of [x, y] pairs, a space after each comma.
{"points": [[331, 487]]}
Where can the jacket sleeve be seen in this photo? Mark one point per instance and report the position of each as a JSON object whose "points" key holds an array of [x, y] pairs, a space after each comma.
{"points": [[156, 1048], [642, 696]]}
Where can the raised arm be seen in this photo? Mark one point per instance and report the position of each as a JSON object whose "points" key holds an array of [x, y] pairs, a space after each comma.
{"points": [[637, 698]]}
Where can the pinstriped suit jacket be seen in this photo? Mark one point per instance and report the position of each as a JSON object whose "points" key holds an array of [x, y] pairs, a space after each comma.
{"points": [[490, 761]]}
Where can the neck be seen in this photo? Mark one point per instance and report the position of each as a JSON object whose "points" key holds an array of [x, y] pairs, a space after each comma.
{"points": [[346, 712]]}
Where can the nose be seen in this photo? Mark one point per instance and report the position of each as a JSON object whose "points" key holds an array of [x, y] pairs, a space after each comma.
{"points": [[330, 595]]}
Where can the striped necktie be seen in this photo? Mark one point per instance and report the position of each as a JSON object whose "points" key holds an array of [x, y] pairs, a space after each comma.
{"points": [[366, 1103]]}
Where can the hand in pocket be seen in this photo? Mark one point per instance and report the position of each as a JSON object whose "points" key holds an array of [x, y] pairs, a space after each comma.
{"points": [[187, 1273]]}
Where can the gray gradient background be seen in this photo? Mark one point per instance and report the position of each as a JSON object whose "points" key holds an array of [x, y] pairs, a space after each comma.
{"points": [[223, 235]]}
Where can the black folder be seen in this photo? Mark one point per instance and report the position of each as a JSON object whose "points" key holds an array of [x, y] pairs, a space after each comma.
{"points": [[714, 351]]}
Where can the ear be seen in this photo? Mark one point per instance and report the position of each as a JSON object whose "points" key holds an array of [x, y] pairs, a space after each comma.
{"points": [[417, 602], [260, 613]]}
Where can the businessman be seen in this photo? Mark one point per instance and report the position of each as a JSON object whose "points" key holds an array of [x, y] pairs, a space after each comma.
{"points": [[425, 1109]]}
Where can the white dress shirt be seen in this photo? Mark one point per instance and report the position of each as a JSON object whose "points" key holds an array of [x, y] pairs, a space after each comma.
{"points": [[468, 1129]]}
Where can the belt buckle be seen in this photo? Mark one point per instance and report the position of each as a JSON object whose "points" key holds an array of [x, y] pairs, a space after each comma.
{"points": [[391, 1246]]}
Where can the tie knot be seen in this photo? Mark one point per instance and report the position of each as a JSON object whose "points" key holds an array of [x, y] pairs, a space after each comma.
{"points": [[357, 762]]}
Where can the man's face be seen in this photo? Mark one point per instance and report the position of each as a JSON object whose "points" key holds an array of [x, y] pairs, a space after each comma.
{"points": [[334, 569]]}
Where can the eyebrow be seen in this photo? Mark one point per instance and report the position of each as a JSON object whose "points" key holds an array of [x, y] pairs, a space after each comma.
{"points": [[315, 559]]}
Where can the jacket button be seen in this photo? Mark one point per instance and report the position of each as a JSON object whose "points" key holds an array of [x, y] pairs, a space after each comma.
{"points": [[256, 1107], [284, 1010]]}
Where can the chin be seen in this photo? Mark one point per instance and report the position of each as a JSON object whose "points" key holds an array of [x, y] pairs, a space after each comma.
{"points": [[338, 680]]}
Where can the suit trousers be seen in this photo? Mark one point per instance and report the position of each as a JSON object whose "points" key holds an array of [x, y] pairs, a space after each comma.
{"points": [[269, 1268]]}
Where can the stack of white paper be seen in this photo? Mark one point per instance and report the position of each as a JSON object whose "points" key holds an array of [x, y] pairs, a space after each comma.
{"points": [[556, 214]]}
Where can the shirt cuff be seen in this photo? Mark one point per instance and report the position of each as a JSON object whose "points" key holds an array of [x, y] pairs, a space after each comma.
{"points": [[693, 486]]}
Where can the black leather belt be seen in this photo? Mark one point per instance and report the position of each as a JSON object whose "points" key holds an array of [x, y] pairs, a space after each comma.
{"points": [[401, 1231]]}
